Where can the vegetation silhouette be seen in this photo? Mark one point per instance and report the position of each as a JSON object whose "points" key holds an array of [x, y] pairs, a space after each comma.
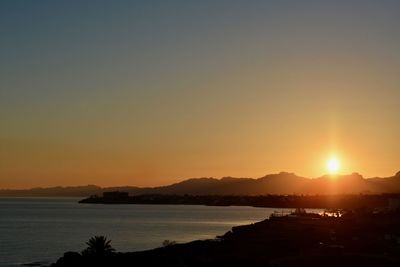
{"points": [[98, 246], [167, 243], [98, 253]]}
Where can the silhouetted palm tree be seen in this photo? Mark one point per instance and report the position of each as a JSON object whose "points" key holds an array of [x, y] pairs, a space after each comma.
{"points": [[98, 246]]}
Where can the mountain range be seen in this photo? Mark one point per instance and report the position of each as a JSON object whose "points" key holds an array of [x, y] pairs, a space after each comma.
{"points": [[283, 183]]}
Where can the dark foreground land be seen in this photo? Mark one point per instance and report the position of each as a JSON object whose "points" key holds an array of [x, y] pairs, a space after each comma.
{"points": [[357, 238]]}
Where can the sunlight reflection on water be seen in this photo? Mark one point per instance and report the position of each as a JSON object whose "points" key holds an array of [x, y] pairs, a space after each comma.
{"points": [[42, 229]]}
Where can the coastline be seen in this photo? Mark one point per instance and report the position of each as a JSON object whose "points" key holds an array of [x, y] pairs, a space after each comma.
{"points": [[263, 201], [43, 229], [301, 239]]}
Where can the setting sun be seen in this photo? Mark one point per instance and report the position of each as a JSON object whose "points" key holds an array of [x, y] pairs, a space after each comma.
{"points": [[333, 165]]}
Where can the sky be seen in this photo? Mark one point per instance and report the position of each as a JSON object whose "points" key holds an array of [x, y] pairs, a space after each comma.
{"points": [[149, 93]]}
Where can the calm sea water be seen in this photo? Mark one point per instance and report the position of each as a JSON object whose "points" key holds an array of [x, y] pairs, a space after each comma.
{"points": [[42, 229]]}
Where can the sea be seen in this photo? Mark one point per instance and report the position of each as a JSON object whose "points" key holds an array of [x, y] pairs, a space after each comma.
{"points": [[40, 230]]}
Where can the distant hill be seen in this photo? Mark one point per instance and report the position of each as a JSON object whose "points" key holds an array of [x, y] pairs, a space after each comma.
{"points": [[281, 183]]}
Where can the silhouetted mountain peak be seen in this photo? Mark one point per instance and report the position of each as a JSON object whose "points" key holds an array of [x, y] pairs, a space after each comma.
{"points": [[355, 176], [194, 181], [280, 175], [278, 183], [228, 178], [287, 173]]}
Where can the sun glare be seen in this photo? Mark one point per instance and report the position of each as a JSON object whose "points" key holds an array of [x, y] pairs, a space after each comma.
{"points": [[333, 165]]}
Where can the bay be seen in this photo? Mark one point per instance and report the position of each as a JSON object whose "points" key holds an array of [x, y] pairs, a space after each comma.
{"points": [[42, 229]]}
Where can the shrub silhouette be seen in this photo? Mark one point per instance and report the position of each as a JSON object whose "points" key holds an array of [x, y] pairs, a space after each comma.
{"points": [[167, 243], [98, 246]]}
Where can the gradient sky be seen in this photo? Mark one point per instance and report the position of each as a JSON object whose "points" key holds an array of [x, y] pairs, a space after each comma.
{"points": [[152, 92]]}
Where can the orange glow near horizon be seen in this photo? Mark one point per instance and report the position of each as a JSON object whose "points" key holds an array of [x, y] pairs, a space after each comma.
{"points": [[153, 94]]}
